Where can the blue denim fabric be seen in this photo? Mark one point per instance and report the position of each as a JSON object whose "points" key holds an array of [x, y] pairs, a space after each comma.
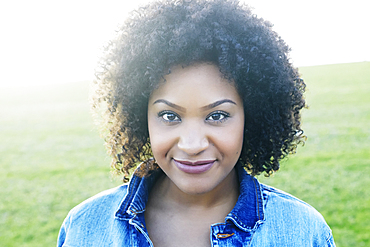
{"points": [[263, 216]]}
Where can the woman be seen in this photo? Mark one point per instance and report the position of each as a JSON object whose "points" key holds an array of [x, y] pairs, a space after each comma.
{"points": [[203, 94]]}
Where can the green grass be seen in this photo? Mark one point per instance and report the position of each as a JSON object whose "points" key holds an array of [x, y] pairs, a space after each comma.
{"points": [[51, 156], [331, 172]]}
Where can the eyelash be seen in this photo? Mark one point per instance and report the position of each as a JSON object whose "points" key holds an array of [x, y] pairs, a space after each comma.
{"points": [[164, 114], [224, 115]]}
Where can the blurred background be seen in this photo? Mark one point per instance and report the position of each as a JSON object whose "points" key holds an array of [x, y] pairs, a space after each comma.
{"points": [[62, 39], [51, 155]]}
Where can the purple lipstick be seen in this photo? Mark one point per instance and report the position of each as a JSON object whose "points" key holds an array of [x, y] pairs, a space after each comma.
{"points": [[194, 167]]}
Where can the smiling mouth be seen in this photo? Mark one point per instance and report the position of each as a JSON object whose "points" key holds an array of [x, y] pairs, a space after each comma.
{"points": [[194, 167]]}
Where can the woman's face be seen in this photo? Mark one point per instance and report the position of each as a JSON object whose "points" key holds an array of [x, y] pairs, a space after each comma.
{"points": [[196, 125]]}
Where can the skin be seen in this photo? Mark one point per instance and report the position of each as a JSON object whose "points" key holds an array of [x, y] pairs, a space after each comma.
{"points": [[195, 118]]}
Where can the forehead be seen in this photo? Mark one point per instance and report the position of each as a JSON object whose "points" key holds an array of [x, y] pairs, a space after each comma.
{"points": [[197, 82]]}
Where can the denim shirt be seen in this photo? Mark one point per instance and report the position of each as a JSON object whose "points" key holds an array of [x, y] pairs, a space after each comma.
{"points": [[262, 216]]}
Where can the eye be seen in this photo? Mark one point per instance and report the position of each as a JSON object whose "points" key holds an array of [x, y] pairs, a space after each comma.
{"points": [[169, 116], [217, 116]]}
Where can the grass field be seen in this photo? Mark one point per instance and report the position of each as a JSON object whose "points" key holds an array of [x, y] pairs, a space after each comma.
{"points": [[51, 156]]}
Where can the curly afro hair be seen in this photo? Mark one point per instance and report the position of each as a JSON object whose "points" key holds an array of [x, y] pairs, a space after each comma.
{"points": [[226, 33]]}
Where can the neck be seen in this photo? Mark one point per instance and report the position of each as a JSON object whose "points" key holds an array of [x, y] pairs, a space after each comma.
{"points": [[224, 195]]}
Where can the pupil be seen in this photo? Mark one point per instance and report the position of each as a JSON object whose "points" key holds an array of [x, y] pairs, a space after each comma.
{"points": [[171, 117], [216, 116]]}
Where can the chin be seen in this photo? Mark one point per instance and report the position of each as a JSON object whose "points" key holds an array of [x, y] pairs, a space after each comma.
{"points": [[192, 187]]}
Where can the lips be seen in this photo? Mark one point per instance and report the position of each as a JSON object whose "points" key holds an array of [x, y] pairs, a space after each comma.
{"points": [[194, 167]]}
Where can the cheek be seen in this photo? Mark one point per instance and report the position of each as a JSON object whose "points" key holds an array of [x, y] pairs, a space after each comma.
{"points": [[158, 147], [159, 140], [232, 143], [232, 139]]}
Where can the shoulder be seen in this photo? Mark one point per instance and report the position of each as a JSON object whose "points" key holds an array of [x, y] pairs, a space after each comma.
{"points": [[291, 216], [91, 218], [278, 200], [109, 200], [98, 209], [279, 196]]}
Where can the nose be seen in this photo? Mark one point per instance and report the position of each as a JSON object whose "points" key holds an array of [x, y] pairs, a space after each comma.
{"points": [[193, 140]]}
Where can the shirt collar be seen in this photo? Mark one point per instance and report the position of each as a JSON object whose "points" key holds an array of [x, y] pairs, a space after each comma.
{"points": [[247, 213], [137, 195]]}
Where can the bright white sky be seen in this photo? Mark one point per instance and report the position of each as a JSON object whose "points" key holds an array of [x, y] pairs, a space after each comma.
{"points": [[50, 41]]}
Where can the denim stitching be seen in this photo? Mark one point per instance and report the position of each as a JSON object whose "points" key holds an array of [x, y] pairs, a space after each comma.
{"points": [[134, 178], [258, 200]]}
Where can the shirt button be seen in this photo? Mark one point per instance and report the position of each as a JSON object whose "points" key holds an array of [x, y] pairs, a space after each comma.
{"points": [[224, 235]]}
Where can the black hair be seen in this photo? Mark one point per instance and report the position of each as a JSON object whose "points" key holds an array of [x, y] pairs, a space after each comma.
{"points": [[226, 33]]}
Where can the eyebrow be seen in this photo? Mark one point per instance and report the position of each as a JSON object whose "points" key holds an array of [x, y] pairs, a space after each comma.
{"points": [[207, 107], [217, 103], [170, 104]]}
